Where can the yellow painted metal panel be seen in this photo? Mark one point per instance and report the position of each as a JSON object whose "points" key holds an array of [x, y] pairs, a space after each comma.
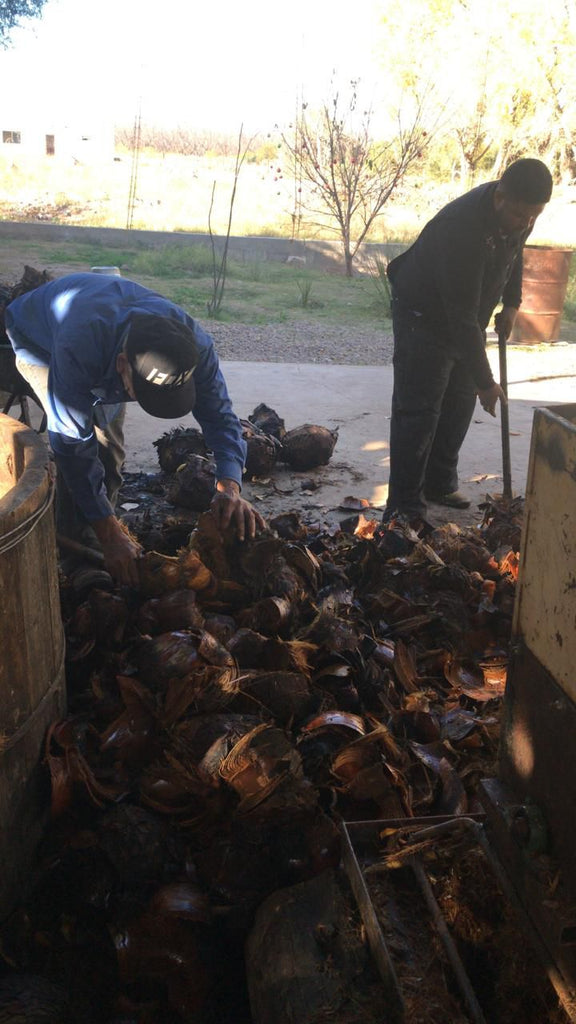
{"points": [[545, 614]]}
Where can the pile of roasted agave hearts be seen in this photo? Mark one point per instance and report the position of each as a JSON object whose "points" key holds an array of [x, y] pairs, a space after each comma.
{"points": [[223, 718]]}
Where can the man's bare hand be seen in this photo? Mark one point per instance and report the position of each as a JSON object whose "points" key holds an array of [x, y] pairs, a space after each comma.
{"points": [[490, 396], [228, 506], [121, 551]]}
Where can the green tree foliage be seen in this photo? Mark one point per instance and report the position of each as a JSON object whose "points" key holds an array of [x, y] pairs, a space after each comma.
{"points": [[12, 12], [504, 70]]}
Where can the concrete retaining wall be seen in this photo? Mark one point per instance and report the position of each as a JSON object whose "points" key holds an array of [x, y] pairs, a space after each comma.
{"points": [[320, 255]]}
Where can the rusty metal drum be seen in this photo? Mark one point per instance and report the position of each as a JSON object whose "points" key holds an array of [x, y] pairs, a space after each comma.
{"points": [[544, 283]]}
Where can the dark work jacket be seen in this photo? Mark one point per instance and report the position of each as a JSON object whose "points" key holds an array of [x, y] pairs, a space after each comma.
{"points": [[456, 273]]}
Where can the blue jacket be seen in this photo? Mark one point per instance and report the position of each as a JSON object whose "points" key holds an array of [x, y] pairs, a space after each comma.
{"points": [[74, 325]]}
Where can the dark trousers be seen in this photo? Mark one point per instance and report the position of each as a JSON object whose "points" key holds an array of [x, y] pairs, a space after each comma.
{"points": [[432, 406], [70, 521]]}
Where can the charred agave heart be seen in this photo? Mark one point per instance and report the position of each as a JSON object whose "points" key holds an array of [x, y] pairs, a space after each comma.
{"points": [[261, 454], [194, 484], [159, 574], [308, 446], [28, 997], [268, 420], [135, 842], [168, 656], [176, 446]]}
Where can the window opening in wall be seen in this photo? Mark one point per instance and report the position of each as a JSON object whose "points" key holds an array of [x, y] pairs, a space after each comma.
{"points": [[50, 148], [11, 137]]}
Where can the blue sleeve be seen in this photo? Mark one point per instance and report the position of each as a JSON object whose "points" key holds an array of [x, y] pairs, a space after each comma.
{"points": [[221, 427]]}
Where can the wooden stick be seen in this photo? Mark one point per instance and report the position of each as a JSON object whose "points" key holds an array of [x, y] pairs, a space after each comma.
{"points": [[76, 548]]}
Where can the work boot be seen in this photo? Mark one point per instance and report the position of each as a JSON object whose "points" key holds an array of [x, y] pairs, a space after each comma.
{"points": [[453, 500]]}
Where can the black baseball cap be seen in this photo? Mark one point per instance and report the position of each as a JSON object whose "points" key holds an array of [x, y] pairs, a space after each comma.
{"points": [[163, 355]]}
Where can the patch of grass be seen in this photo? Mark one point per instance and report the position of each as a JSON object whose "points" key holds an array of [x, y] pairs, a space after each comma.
{"points": [[382, 301], [256, 292], [174, 261], [89, 255], [304, 286]]}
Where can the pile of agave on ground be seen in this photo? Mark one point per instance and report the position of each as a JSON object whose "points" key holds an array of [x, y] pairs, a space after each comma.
{"points": [[222, 719], [191, 471]]}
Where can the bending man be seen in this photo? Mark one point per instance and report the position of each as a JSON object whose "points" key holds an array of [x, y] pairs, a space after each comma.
{"points": [[89, 343]]}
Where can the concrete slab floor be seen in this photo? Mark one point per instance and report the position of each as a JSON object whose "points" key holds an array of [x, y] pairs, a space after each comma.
{"points": [[356, 400]]}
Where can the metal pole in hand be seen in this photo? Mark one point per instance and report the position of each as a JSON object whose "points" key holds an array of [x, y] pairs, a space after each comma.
{"points": [[504, 420]]}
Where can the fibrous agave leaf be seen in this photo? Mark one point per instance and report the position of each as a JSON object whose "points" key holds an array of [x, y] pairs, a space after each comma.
{"points": [[259, 761], [212, 650], [212, 545], [80, 771], [175, 610], [382, 785], [283, 695], [110, 616], [132, 738], [81, 633], [270, 616], [165, 657], [169, 787], [405, 668], [304, 562], [288, 655], [247, 647], [453, 798], [332, 719], [159, 573], [223, 627], [330, 632], [207, 688], [384, 653], [61, 781]]}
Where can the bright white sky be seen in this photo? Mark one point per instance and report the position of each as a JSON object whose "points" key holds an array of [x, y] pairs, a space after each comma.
{"points": [[212, 64]]}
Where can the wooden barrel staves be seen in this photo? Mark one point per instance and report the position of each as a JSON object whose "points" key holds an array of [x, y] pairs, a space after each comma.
{"points": [[544, 282], [32, 685]]}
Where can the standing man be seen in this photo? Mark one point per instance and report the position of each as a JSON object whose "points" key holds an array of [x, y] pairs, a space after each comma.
{"points": [[89, 343], [445, 288]]}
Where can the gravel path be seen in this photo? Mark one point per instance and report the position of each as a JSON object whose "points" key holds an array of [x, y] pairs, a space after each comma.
{"points": [[301, 342]]}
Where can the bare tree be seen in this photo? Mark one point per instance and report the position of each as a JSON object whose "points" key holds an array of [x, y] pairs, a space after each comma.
{"points": [[220, 261], [350, 177]]}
